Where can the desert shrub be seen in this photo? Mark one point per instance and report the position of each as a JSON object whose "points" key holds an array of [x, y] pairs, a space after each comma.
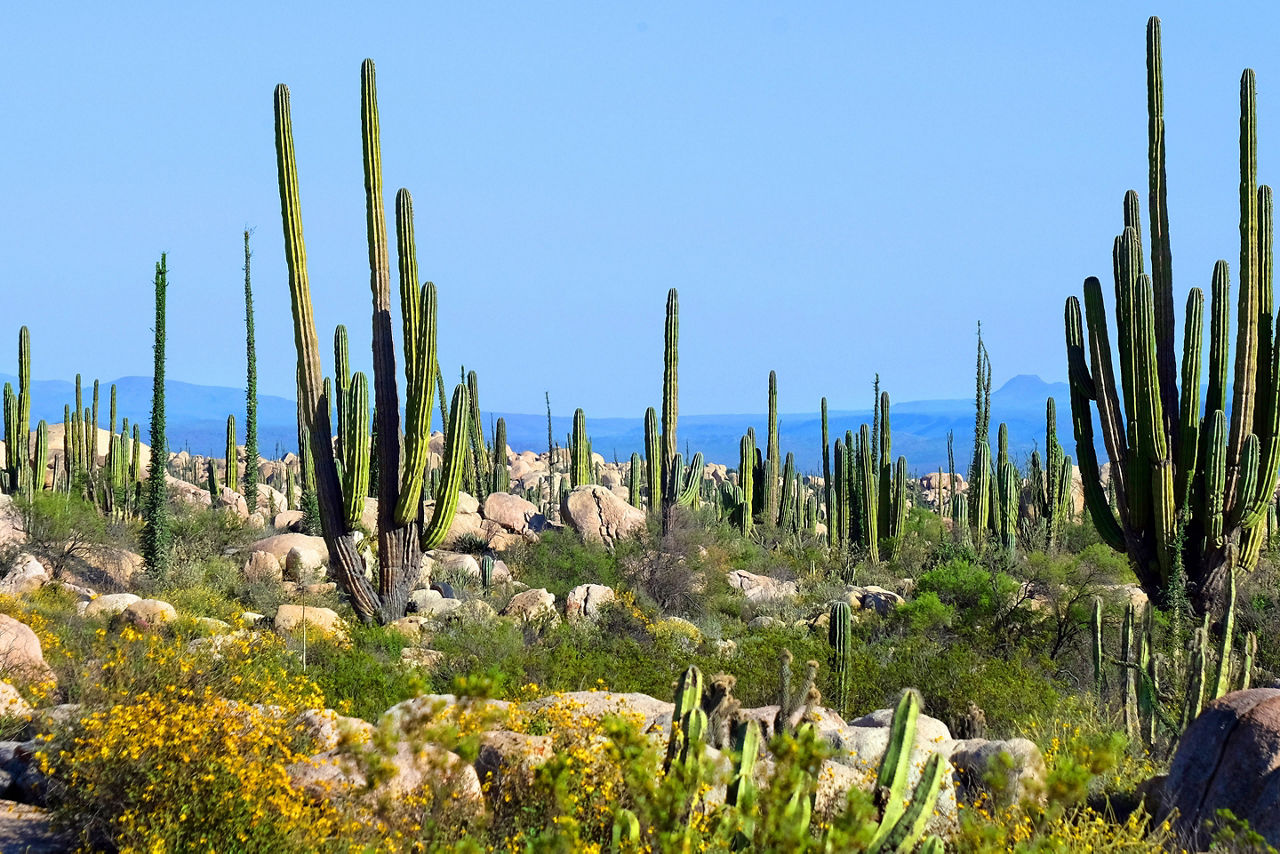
{"points": [[185, 769], [363, 676], [62, 527], [201, 533], [561, 561], [471, 544]]}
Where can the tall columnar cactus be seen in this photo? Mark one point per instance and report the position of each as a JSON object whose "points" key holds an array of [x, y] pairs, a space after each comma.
{"points": [[742, 792], [500, 467], [746, 480], [1058, 476], [786, 502], [1007, 493], [884, 446], [653, 461], [401, 538], [772, 455], [867, 489], [232, 476], [670, 408], [635, 482], [580, 451], [40, 461], [17, 415], [480, 452], [156, 535], [1176, 493], [827, 486], [839, 634], [91, 432], [980, 485]]}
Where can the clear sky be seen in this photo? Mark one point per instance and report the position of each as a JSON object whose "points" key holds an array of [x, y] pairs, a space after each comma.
{"points": [[835, 188]]}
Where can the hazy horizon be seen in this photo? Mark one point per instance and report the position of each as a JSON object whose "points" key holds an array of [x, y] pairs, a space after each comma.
{"points": [[835, 191]]}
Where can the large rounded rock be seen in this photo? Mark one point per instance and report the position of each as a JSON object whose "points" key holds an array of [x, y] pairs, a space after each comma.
{"points": [[27, 575], [599, 516], [109, 605], [585, 601], [1023, 775], [323, 621], [20, 654], [280, 545], [760, 588], [513, 513], [263, 567], [150, 613], [304, 565], [531, 605], [1229, 758]]}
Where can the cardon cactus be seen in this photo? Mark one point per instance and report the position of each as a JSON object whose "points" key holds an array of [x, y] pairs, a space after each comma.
{"points": [[653, 461], [400, 537], [1187, 483], [635, 482], [671, 475], [580, 451], [501, 468], [232, 471], [746, 479], [839, 635]]}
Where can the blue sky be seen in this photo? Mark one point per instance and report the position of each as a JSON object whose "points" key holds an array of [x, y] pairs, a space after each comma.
{"points": [[835, 188]]}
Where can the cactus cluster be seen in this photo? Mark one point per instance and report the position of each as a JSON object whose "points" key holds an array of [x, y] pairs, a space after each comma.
{"points": [[869, 491], [1191, 487], [402, 536], [707, 714]]}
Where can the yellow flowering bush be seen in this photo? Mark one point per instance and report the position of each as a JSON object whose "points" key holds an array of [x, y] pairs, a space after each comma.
{"points": [[185, 770]]}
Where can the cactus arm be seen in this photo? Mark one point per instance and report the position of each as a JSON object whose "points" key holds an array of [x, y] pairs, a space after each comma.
{"points": [[1153, 440], [670, 403], [1222, 684], [1161, 255], [772, 454], [746, 480], [345, 560], [1244, 396], [653, 461], [1110, 417], [1189, 411], [1215, 479], [910, 826], [355, 470], [453, 470], [418, 308], [895, 768], [826, 478]]}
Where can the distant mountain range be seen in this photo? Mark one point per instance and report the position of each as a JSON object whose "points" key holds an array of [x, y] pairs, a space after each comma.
{"points": [[196, 420]]}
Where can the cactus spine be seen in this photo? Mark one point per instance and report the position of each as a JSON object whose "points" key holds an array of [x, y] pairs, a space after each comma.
{"points": [[400, 540]]}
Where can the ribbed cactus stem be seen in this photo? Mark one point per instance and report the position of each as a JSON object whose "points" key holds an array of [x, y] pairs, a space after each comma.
{"points": [[884, 466], [895, 768], [580, 451], [773, 459], [670, 406], [455, 444], [839, 635], [867, 478], [653, 461], [635, 482], [232, 472], [746, 480], [1222, 683], [501, 468]]}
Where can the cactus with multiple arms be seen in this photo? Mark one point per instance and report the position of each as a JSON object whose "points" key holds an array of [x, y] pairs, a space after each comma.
{"points": [[1151, 429], [400, 540]]}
